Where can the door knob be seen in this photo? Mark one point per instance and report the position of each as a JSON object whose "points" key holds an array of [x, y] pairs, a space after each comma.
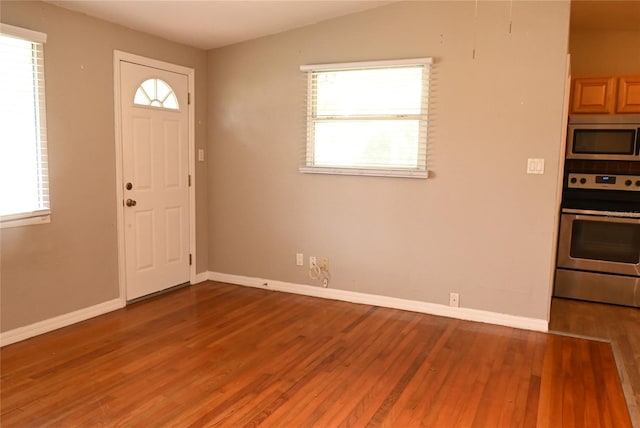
{"points": [[130, 203]]}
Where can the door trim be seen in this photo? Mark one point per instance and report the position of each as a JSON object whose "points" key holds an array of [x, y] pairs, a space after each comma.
{"points": [[119, 56]]}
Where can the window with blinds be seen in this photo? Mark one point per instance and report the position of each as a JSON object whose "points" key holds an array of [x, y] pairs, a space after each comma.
{"points": [[368, 118], [24, 184]]}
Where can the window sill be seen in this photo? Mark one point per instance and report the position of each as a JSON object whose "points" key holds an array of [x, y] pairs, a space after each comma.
{"points": [[364, 171], [25, 221]]}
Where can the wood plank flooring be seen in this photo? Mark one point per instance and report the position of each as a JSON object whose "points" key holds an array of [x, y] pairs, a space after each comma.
{"points": [[618, 324], [222, 355]]}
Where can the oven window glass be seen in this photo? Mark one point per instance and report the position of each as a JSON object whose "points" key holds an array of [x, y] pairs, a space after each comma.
{"points": [[606, 241], [604, 141]]}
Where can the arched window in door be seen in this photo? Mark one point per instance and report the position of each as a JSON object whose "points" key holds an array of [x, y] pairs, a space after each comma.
{"points": [[156, 93]]}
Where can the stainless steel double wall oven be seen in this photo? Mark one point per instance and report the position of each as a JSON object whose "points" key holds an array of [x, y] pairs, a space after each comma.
{"points": [[599, 239]]}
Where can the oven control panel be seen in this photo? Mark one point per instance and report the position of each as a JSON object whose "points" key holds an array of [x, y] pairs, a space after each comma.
{"points": [[604, 181]]}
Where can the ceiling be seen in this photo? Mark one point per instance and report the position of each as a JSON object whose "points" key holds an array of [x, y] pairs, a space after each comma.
{"points": [[605, 15], [209, 24]]}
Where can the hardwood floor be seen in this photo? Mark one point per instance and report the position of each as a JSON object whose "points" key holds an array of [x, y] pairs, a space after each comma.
{"points": [[618, 324], [222, 355]]}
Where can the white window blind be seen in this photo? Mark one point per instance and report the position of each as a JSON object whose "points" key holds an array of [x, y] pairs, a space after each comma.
{"points": [[368, 118], [24, 184]]}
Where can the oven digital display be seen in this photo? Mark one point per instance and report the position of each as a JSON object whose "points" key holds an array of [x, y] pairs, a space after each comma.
{"points": [[605, 179]]}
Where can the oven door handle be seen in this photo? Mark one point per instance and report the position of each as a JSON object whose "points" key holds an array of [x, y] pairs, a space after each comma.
{"points": [[607, 219], [601, 214]]}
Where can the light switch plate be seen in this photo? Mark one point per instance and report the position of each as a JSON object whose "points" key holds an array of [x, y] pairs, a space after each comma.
{"points": [[201, 155], [535, 166]]}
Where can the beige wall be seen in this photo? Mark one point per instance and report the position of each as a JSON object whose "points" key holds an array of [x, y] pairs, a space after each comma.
{"points": [[480, 226], [71, 263], [604, 52]]}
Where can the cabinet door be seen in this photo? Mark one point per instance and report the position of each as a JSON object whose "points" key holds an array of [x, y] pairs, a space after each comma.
{"points": [[629, 94], [593, 95]]}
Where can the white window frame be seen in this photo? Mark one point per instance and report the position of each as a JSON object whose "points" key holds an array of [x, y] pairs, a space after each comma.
{"points": [[43, 214], [308, 165]]}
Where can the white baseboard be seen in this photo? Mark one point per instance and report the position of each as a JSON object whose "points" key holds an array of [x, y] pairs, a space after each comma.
{"points": [[22, 333], [200, 277], [468, 314], [41, 327]]}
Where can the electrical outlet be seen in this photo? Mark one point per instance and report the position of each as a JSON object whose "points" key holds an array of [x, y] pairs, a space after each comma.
{"points": [[454, 300], [299, 259], [325, 264], [313, 261]]}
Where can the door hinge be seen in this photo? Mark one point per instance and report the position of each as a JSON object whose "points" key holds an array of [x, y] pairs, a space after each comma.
{"points": [[190, 259], [189, 180], [188, 97]]}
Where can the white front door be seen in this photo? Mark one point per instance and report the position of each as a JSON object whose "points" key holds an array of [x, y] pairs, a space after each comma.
{"points": [[155, 177]]}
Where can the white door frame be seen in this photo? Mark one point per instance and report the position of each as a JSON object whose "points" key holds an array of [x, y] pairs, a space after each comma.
{"points": [[119, 56]]}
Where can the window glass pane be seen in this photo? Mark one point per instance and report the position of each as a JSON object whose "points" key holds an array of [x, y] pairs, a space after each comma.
{"points": [[171, 102], [149, 87], [163, 90], [384, 91], [141, 98], [370, 143]]}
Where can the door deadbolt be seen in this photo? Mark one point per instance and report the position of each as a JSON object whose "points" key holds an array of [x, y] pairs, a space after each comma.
{"points": [[129, 186], [130, 203]]}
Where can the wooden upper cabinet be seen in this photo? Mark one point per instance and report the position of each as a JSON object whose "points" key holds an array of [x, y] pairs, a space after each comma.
{"points": [[628, 94], [606, 95], [593, 95]]}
